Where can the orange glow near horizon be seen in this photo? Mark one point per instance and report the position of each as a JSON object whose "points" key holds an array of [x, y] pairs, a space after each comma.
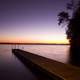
{"points": [[40, 38], [45, 40]]}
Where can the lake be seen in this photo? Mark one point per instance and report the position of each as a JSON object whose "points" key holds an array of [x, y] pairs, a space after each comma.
{"points": [[11, 68]]}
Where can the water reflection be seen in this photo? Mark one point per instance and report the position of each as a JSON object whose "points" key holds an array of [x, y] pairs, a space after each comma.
{"points": [[11, 68], [56, 52]]}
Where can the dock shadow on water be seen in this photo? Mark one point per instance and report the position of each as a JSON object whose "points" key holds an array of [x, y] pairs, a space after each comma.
{"points": [[40, 73]]}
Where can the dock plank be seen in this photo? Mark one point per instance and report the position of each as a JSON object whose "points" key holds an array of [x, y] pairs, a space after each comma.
{"points": [[64, 71]]}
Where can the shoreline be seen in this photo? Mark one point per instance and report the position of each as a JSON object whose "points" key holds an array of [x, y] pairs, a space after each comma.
{"points": [[31, 44]]}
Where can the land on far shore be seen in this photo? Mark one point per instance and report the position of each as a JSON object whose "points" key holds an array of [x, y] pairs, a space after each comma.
{"points": [[33, 43]]}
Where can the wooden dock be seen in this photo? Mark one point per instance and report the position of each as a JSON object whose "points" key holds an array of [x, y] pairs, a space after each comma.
{"points": [[53, 68]]}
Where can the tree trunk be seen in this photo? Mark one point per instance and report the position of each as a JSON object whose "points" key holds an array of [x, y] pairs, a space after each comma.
{"points": [[75, 52]]}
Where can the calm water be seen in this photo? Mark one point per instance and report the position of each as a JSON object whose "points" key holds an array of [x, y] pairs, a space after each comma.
{"points": [[12, 69], [55, 52]]}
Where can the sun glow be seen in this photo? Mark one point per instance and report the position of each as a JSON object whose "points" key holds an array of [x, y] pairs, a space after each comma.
{"points": [[40, 39]]}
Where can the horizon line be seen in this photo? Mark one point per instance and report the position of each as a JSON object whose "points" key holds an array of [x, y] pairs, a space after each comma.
{"points": [[35, 43]]}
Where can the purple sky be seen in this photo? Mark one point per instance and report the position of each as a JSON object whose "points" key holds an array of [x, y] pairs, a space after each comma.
{"points": [[31, 20]]}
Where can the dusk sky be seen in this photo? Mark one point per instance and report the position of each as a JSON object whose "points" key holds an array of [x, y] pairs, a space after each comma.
{"points": [[31, 21]]}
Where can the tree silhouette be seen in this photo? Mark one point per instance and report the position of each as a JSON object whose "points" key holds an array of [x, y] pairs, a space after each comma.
{"points": [[73, 31], [63, 17]]}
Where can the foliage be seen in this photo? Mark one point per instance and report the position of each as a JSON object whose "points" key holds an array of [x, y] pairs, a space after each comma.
{"points": [[63, 17], [73, 30]]}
